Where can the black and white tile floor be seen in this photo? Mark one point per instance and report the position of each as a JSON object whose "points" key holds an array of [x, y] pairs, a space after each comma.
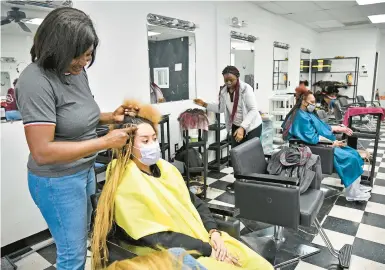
{"points": [[359, 224]]}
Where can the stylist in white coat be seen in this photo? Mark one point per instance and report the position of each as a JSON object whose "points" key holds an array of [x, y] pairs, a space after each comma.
{"points": [[239, 104]]}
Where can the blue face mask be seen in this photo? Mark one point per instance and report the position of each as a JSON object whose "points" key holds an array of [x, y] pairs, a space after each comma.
{"points": [[150, 153]]}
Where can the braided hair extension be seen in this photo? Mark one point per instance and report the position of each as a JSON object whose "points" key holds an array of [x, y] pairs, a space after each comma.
{"points": [[105, 211], [301, 94], [233, 70]]}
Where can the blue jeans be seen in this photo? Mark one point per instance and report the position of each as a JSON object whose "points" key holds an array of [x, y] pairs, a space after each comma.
{"points": [[12, 115], [188, 261], [66, 207]]}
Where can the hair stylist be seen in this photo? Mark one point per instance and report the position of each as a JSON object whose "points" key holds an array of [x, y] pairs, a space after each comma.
{"points": [[60, 118], [239, 103]]}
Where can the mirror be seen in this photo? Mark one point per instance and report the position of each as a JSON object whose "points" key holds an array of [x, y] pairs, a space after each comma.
{"points": [[280, 66], [305, 70], [16, 43], [171, 53], [242, 56]]}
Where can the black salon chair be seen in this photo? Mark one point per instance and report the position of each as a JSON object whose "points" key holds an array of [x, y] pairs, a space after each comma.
{"points": [[118, 241], [276, 200]]}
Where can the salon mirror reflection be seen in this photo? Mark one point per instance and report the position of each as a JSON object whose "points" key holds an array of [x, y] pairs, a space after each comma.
{"points": [[280, 66], [16, 43], [242, 57], [171, 54]]}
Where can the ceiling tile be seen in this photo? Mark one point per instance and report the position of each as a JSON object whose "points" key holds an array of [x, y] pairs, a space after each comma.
{"points": [[354, 20], [335, 4], [380, 25], [375, 9], [298, 6], [310, 17], [346, 14], [274, 8], [329, 24]]}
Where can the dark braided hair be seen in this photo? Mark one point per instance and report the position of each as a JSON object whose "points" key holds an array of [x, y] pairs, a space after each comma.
{"points": [[233, 70], [290, 117]]}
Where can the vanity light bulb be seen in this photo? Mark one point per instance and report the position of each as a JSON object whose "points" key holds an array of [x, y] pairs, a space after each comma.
{"points": [[175, 22], [190, 24]]}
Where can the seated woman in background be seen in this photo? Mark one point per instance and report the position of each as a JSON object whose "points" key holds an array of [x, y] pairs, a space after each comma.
{"points": [[148, 198], [302, 123]]}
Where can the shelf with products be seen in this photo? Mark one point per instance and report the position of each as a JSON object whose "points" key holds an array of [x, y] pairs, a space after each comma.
{"points": [[279, 107], [337, 66]]}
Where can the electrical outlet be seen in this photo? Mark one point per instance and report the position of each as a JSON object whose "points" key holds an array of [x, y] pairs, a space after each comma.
{"points": [[176, 147]]}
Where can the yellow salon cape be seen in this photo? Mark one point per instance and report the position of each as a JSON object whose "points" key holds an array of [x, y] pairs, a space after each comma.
{"points": [[146, 205]]}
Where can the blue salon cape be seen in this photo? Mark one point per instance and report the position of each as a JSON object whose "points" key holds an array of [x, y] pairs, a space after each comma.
{"points": [[347, 162]]}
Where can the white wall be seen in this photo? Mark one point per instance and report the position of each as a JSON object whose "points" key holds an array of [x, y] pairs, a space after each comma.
{"points": [[381, 66], [16, 46], [350, 43], [121, 68]]}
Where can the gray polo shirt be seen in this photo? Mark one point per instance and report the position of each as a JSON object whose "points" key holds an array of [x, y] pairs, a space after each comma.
{"points": [[44, 100]]}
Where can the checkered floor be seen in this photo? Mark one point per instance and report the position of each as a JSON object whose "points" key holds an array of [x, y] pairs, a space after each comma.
{"points": [[359, 224]]}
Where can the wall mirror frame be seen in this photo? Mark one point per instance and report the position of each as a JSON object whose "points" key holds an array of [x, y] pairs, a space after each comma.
{"points": [[280, 66], [305, 66], [242, 56], [172, 59]]}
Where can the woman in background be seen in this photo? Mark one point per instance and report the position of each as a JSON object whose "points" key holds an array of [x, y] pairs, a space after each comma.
{"points": [[11, 111], [238, 102], [302, 123]]}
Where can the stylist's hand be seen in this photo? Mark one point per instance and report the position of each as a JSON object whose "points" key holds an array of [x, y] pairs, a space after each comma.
{"points": [[119, 113], [239, 134], [117, 138], [219, 246], [230, 259], [200, 102]]}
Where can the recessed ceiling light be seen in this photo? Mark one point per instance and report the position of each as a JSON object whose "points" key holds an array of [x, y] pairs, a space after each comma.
{"points": [[36, 21], [152, 33], [377, 18], [369, 2]]}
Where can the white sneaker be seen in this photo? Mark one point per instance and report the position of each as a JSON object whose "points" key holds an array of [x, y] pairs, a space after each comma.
{"points": [[354, 193], [364, 188]]}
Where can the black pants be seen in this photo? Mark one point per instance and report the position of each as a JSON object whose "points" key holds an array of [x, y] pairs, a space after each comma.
{"points": [[255, 133]]}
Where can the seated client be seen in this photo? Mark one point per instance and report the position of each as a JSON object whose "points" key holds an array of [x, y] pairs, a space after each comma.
{"points": [[302, 123], [147, 198]]}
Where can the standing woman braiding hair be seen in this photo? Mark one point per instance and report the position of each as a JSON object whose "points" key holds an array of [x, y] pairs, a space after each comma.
{"points": [[239, 103], [60, 117]]}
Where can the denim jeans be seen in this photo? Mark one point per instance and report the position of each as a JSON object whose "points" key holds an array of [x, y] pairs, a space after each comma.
{"points": [[12, 115], [188, 261], [66, 207]]}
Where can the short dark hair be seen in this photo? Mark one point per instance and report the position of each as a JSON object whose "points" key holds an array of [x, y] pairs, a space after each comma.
{"points": [[65, 34], [305, 82], [232, 70]]}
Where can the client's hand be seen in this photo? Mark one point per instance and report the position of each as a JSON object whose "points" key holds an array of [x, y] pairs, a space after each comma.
{"points": [[348, 131], [218, 246], [200, 102], [338, 144], [232, 260]]}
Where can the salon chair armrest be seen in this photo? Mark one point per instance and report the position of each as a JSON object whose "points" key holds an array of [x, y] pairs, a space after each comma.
{"points": [[223, 210], [268, 178]]}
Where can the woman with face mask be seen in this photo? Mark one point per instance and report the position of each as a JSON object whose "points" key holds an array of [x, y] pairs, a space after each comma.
{"points": [[147, 198], [239, 104], [303, 123]]}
